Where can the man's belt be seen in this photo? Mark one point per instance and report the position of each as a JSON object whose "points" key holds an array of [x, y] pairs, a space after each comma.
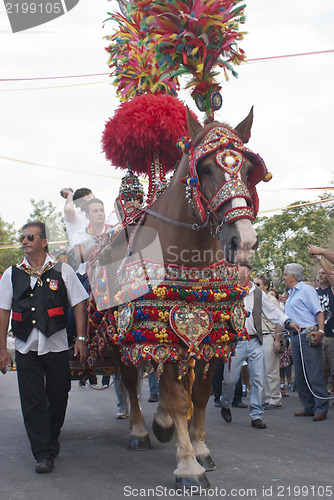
{"points": [[306, 329]]}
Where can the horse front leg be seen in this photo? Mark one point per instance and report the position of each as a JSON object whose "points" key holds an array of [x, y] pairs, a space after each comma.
{"points": [[163, 426], [189, 473], [139, 439], [200, 395]]}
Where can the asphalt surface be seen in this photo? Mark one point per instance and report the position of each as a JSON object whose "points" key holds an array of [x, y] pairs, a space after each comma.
{"points": [[292, 458]]}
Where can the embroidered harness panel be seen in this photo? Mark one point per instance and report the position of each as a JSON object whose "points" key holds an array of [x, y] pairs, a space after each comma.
{"points": [[172, 313]]}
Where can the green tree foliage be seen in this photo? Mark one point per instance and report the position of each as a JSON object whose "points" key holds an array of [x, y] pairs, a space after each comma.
{"points": [[46, 212], [284, 238], [8, 237], [41, 211]]}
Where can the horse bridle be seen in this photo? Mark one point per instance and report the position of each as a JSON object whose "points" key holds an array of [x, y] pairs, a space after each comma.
{"points": [[230, 159]]}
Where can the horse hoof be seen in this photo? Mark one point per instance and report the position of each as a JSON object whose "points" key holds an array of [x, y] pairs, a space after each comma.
{"points": [[139, 443], [194, 484], [206, 462], [164, 435]]}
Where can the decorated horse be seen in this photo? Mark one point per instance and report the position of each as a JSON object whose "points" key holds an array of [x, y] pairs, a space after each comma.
{"points": [[165, 285]]}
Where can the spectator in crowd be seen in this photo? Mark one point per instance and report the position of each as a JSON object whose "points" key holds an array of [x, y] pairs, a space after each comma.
{"points": [[37, 290], [282, 299], [88, 237], [303, 306], [286, 366], [325, 292], [272, 338], [256, 304], [74, 210]]}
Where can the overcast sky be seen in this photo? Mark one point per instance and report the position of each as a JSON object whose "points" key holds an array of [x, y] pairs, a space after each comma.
{"points": [[58, 123]]}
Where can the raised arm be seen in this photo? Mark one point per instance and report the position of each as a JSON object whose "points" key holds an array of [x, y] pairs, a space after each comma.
{"points": [[69, 210], [315, 251], [323, 256]]}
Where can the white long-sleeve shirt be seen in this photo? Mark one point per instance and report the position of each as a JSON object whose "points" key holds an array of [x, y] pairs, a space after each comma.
{"points": [[271, 312]]}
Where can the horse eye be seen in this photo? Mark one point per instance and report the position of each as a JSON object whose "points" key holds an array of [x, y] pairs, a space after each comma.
{"points": [[204, 170], [246, 171]]}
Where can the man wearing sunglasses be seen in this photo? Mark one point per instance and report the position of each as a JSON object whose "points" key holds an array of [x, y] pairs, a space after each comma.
{"points": [[38, 291]]}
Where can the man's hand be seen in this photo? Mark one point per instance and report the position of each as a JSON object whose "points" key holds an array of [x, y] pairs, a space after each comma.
{"points": [[313, 250], [317, 338], [81, 350], [4, 360], [294, 326], [277, 345], [65, 192]]}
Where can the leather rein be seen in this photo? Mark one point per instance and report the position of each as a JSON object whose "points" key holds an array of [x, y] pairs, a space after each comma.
{"points": [[186, 225]]}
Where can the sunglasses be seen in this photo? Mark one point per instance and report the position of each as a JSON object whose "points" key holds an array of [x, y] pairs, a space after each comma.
{"points": [[30, 237]]}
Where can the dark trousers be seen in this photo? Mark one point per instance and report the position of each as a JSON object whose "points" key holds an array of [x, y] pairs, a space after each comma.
{"points": [[44, 383], [314, 372], [217, 380]]}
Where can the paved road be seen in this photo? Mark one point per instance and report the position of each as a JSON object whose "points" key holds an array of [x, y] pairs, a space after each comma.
{"points": [[292, 458]]}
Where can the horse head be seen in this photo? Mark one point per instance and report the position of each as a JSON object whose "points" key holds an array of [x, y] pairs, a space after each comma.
{"points": [[223, 174]]}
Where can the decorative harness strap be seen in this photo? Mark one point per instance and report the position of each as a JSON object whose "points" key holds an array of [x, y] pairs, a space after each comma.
{"points": [[186, 225]]}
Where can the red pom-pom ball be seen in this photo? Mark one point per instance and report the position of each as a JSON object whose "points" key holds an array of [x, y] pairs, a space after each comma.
{"points": [[146, 125]]}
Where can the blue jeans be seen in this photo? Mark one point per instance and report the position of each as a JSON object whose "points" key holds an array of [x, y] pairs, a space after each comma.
{"points": [[153, 384], [252, 352], [121, 394], [315, 375]]}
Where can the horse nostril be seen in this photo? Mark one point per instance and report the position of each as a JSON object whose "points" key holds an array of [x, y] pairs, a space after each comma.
{"points": [[234, 242]]}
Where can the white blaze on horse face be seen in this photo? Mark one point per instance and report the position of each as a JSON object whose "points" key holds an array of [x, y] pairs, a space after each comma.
{"points": [[238, 202], [248, 241]]}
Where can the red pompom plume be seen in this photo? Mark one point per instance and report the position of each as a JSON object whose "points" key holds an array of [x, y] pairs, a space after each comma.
{"points": [[146, 125]]}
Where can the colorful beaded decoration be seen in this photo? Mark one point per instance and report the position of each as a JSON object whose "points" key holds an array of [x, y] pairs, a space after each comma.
{"points": [[230, 159], [157, 302]]}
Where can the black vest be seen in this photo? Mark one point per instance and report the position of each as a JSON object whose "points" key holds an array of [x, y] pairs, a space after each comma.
{"points": [[257, 313], [43, 307]]}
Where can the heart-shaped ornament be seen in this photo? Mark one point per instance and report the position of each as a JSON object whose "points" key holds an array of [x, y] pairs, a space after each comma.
{"points": [[191, 323]]}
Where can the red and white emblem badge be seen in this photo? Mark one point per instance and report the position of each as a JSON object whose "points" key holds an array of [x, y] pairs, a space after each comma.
{"points": [[53, 285]]}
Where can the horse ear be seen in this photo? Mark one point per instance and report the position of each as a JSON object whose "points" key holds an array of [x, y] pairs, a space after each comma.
{"points": [[194, 127], [244, 127]]}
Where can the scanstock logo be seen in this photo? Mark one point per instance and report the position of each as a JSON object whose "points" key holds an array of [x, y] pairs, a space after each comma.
{"points": [[25, 14]]}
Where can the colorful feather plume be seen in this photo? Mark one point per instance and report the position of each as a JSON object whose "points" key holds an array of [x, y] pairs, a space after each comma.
{"points": [[155, 43], [194, 37], [134, 66]]}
